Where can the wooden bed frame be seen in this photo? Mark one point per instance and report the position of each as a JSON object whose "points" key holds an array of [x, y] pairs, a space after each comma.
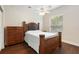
{"points": [[46, 45]]}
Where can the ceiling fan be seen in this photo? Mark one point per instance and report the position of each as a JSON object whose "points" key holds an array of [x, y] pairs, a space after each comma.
{"points": [[43, 9]]}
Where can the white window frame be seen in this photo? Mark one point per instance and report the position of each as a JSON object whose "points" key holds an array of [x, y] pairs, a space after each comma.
{"points": [[54, 16]]}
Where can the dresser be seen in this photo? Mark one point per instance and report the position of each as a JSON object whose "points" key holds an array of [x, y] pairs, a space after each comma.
{"points": [[13, 35]]}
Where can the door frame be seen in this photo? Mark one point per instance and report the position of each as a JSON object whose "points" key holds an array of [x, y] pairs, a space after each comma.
{"points": [[2, 46]]}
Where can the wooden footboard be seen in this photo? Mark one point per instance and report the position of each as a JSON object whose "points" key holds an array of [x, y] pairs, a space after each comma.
{"points": [[49, 45], [42, 44]]}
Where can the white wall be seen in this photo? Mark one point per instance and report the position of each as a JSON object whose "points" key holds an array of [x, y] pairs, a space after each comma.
{"points": [[46, 22], [70, 23], [14, 15]]}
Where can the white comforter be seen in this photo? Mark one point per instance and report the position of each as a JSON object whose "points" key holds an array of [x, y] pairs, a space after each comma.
{"points": [[32, 38]]}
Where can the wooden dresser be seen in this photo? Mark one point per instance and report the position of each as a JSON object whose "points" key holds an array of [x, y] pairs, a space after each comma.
{"points": [[13, 35]]}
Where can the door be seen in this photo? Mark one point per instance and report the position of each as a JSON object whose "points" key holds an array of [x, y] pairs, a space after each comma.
{"points": [[1, 31]]}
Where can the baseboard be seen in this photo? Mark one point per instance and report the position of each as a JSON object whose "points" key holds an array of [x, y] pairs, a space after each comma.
{"points": [[72, 43], [1, 48]]}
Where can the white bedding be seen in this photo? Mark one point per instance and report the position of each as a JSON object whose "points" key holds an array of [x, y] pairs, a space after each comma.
{"points": [[32, 38]]}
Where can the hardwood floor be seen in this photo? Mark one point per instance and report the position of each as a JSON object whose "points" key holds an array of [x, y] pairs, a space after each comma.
{"points": [[67, 49], [23, 48]]}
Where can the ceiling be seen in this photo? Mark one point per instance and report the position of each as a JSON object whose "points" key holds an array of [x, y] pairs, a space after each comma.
{"points": [[43, 6], [34, 8]]}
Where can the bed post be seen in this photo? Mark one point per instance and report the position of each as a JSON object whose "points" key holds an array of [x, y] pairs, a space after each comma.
{"points": [[60, 41], [38, 26], [42, 44], [24, 26]]}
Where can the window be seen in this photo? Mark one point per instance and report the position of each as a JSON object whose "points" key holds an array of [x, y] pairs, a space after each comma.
{"points": [[57, 23]]}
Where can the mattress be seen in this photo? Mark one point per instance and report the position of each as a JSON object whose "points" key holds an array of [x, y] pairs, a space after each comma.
{"points": [[32, 38]]}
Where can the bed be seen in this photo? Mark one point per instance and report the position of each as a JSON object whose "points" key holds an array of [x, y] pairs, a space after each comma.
{"points": [[41, 42]]}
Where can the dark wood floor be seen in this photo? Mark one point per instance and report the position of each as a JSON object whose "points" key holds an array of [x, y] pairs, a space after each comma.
{"points": [[23, 48], [67, 49]]}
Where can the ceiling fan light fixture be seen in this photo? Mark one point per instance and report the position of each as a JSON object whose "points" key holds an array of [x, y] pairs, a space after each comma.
{"points": [[42, 13]]}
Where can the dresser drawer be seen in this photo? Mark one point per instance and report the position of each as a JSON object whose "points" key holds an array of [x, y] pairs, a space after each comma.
{"points": [[13, 35]]}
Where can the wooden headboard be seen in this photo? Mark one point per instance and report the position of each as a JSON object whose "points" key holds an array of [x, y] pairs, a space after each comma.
{"points": [[30, 26]]}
